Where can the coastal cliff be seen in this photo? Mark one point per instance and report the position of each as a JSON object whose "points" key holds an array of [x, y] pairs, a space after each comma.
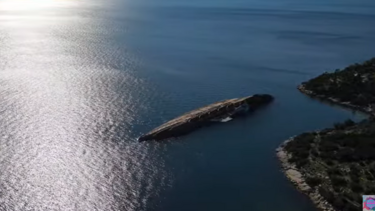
{"points": [[336, 166]]}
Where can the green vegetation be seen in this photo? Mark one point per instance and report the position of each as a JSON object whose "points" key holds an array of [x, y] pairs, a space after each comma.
{"points": [[339, 162], [354, 84]]}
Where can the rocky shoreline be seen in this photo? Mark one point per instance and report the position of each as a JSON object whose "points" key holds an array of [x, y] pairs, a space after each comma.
{"points": [[293, 173], [298, 180], [368, 110], [355, 85]]}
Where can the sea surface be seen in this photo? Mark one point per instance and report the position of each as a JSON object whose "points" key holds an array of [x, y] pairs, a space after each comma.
{"points": [[80, 80]]}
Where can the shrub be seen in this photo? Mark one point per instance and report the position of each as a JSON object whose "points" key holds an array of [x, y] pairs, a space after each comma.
{"points": [[370, 189], [369, 176], [350, 207], [338, 203], [313, 181], [349, 123], [301, 163], [329, 162], [326, 194], [354, 177], [328, 145], [345, 155], [335, 171], [338, 181], [356, 187], [315, 152]]}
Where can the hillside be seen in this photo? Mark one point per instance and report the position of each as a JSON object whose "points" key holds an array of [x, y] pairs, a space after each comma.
{"points": [[353, 86], [336, 166]]}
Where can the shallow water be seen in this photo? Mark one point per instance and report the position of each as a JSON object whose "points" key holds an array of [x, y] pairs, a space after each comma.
{"points": [[81, 80]]}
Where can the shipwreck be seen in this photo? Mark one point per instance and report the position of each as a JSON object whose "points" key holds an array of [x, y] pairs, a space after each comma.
{"points": [[222, 111]]}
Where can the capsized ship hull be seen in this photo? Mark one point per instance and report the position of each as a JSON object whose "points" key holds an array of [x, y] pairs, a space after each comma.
{"points": [[210, 114]]}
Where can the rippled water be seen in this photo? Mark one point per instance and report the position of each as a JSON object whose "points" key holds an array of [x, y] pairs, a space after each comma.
{"points": [[81, 80]]}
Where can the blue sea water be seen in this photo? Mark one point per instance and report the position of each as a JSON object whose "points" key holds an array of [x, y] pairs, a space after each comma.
{"points": [[81, 80]]}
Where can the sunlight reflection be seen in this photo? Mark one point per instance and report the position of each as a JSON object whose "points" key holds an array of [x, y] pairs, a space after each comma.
{"points": [[16, 5]]}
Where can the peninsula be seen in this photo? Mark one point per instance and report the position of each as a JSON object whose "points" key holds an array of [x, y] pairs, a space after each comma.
{"points": [[336, 166], [217, 112], [352, 87]]}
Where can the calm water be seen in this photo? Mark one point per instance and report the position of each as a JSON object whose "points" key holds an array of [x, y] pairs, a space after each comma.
{"points": [[80, 80]]}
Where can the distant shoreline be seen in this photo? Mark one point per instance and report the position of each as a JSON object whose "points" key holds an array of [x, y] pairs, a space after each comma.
{"points": [[311, 94]]}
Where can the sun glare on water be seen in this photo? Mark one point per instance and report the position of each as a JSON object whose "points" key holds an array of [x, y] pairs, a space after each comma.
{"points": [[17, 5]]}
